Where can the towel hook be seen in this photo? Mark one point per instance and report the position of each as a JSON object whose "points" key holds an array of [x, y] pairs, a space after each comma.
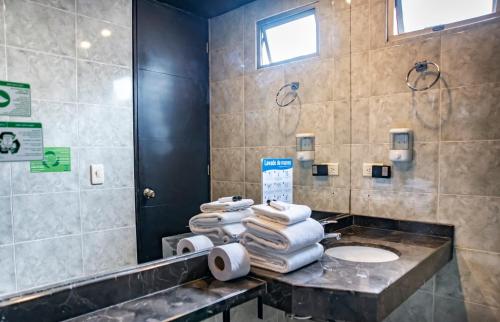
{"points": [[422, 67]]}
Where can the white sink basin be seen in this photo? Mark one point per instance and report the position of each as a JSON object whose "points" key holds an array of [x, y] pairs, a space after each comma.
{"points": [[362, 254]]}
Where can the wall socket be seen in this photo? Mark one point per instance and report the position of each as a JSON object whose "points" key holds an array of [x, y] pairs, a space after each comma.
{"points": [[367, 169]]}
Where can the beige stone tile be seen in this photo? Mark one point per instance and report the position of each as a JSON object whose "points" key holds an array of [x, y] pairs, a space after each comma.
{"points": [[471, 276], [420, 175], [476, 220], [403, 205], [378, 22], [360, 202], [315, 77], [470, 168], [227, 130], [446, 309], [389, 66], [360, 74], [342, 78], [341, 30], [341, 154], [360, 118], [309, 118], [318, 198], [325, 32], [224, 189], [471, 57], [360, 154], [360, 26], [227, 96], [254, 191], [263, 128], [419, 112], [471, 113], [228, 164], [226, 63], [339, 200], [227, 29], [261, 88], [253, 158], [341, 122]]}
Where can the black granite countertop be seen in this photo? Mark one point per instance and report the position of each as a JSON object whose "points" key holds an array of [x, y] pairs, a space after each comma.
{"points": [[352, 291], [192, 301]]}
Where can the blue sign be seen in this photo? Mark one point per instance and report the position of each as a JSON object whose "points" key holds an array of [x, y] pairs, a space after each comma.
{"points": [[276, 164]]}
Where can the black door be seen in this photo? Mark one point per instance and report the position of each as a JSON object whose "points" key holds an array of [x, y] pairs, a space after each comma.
{"points": [[172, 122]]}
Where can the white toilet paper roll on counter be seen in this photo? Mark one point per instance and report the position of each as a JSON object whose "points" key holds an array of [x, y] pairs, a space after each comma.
{"points": [[193, 244], [229, 261]]}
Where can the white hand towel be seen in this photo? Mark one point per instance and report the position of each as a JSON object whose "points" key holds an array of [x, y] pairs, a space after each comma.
{"points": [[268, 235], [232, 231], [284, 263], [290, 216], [228, 262], [226, 206], [212, 219]]}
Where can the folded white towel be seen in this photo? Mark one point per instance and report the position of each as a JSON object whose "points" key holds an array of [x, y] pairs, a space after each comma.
{"points": [[226, 233], [280, 205], [290, 216], [284, 263], [216, 206], [212, 219], [267, 235]]}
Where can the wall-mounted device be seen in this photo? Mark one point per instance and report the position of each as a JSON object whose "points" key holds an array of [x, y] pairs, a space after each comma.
{"points": [[305, 146], [381, 171], [401, 148], [325, 169]]}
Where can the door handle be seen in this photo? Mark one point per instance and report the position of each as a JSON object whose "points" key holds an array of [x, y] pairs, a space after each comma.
{"points": [[149, 193]]}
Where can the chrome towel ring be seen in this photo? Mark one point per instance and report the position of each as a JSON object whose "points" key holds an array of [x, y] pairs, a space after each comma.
{"points": [[421, 67], [294, 86]]}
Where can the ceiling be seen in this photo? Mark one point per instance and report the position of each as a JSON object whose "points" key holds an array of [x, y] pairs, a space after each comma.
{"points": [[206, 8]]}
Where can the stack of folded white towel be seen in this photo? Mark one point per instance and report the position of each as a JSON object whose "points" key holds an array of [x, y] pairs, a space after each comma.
{"points": [[221, 220], [282, 237]]}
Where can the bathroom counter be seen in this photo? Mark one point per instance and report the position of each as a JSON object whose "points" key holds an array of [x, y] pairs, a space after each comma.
{"points": [[193, 301], [334, 289]]}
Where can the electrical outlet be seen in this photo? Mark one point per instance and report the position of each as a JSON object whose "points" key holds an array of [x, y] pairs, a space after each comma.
{"points": [[333, 169], [367, 169]]}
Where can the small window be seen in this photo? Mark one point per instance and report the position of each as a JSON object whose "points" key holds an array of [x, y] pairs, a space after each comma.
{"points": [[287, 37], [414, 15]]}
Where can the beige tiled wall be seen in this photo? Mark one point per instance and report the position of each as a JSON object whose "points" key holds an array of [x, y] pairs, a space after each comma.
{"points": [[351, 96], [56, 226]]}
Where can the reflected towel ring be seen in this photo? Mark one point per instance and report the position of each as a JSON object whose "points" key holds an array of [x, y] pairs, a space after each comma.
{"points": [[421, 67], [294, 86]]}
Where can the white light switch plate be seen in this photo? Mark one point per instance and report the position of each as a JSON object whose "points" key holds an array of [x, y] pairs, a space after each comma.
{"points": [[96, 174], [333, 169], [367, 169]]}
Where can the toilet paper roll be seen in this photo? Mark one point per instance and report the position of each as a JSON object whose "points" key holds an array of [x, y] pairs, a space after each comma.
{"points": [[193, 244], [228, 262]]}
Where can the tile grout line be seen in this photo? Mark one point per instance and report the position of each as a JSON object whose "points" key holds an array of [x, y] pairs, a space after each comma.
{"points": [[82, 256], [4, 7]]}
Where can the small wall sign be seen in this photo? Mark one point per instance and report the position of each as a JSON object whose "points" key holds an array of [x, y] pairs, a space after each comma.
{"points": [[15, 99], [21, 141], [277, 179], [54, 160]]}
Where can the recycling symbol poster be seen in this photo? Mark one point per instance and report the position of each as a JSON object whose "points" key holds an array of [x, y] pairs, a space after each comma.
{"points": [[21, 141], [15, 99]]}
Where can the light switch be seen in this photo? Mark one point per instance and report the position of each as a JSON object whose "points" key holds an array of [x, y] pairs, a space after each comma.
{"points": [[96, 174]]}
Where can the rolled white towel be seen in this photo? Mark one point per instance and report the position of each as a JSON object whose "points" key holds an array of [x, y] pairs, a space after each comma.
{"points": [[212, 219], [290, 216], [267, 235], [284, 263], [224, 234], [217, 206]]}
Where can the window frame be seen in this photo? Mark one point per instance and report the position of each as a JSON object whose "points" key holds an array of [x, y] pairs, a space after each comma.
{"points": [[281, 19], [391, 8]]}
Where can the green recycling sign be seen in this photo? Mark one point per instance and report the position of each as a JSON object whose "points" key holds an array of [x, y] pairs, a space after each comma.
{"points": [[54, 160], [15, 99]]}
